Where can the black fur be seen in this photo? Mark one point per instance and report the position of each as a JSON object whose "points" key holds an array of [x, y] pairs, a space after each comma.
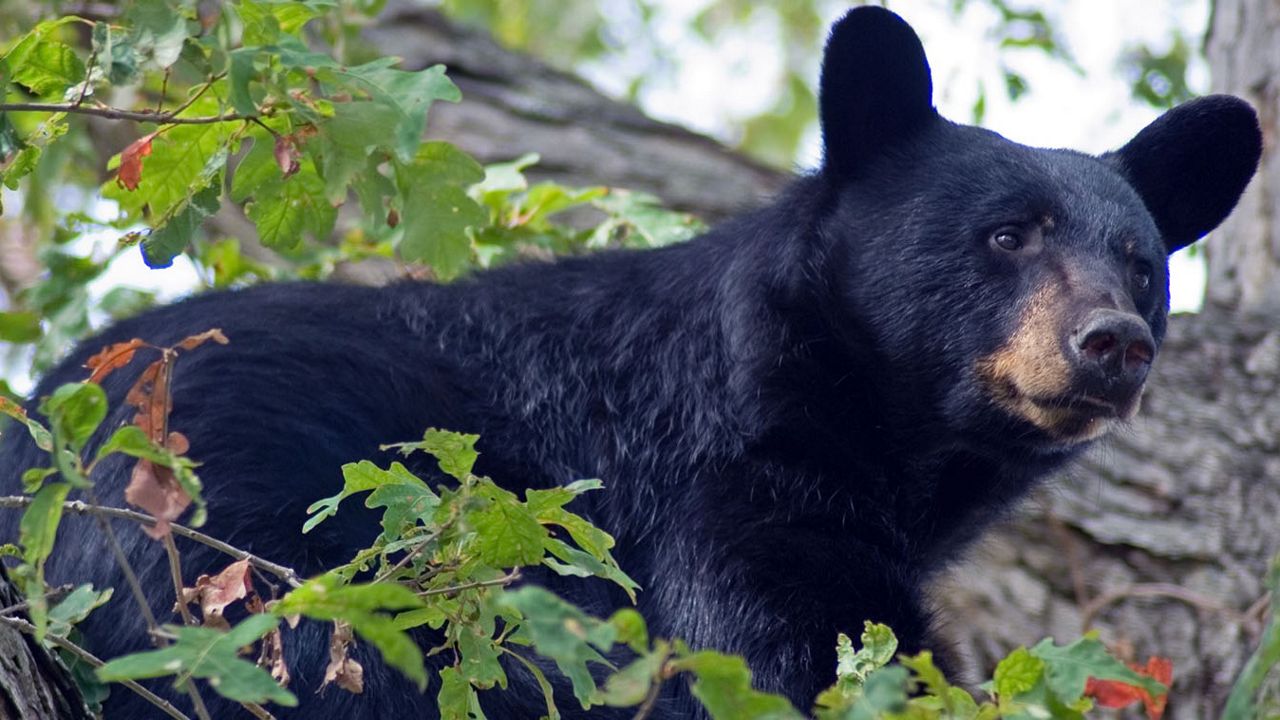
{"points": [[784, 410]]}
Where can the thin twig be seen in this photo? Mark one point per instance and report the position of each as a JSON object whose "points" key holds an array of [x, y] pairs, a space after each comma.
{"points": [[507, 579], [80, 507], [53, 596], [111, 113], [191, 100], [1160, 590], [88, 73], [257, 711], [95, 661], [1257, 613], [131, 578], [408, 557], [164, 89], [197, 702], [175, 572]]}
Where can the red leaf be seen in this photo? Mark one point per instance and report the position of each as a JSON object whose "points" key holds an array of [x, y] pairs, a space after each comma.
{"points": [[130, 173], [1112, 693], [1116, 694]]}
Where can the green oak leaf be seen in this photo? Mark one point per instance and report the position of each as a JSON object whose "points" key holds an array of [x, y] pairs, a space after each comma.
{"points": [[210, 654], [457, 698], [41, 63], [19, 327], [1017, 673], [435, 224], [1069, 667], [75, 411], [508, 534], [184, 160], [168, 241], [561, 632], [285, 208], [360, 477], [159, 30]]}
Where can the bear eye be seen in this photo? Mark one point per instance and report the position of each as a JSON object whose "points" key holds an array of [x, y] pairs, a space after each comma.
{"points": [[1142, 277], [1008, 239]]}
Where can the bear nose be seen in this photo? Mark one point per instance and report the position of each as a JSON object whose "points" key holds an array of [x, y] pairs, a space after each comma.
{"points": [[1114, 351]]}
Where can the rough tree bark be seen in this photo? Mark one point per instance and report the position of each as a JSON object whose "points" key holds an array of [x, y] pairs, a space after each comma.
{"points": [[1244, 53], [34, 683]]}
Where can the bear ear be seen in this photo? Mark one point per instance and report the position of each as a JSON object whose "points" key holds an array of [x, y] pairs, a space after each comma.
{"points": [[875, 90], [1191, 165]]}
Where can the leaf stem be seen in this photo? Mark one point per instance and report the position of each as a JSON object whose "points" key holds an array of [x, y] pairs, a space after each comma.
{"points": [[507, 579]]}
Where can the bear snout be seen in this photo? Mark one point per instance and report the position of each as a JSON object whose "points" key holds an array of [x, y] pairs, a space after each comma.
{"points": [[1112, 353]]}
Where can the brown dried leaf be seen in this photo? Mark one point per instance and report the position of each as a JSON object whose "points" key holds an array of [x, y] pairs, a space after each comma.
{"points": [[111, 358], [130, 173], [194, 341], [271, 657], [149, 395], [153, 489], [215, 593], [178, 443], [342, 670], [287, 155]]}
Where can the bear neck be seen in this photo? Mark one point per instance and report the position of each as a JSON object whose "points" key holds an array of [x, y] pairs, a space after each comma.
{"points": [[809, 387]]}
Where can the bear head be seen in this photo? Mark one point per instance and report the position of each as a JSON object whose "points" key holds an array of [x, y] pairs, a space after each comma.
{"points": [[1009, 296]]}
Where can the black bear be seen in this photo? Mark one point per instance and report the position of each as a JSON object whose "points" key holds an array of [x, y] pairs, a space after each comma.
{"points": [[800, 416]]}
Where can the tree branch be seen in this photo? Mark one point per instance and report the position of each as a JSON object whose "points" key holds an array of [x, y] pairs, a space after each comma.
{"points": [[82, 508], [110, 113], [1160, 590]]}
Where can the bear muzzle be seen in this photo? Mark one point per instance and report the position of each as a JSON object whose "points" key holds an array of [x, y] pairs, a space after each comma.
{"points": [[1072, 375]]}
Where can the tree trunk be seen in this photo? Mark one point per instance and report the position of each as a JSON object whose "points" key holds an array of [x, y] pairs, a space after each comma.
{"points": [[34, 684], [1244, 53], [513, 104]]}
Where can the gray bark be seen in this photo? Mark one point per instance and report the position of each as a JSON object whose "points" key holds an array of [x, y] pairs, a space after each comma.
{"points": [[513, 104], [1244, 53], [34, 684]]}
